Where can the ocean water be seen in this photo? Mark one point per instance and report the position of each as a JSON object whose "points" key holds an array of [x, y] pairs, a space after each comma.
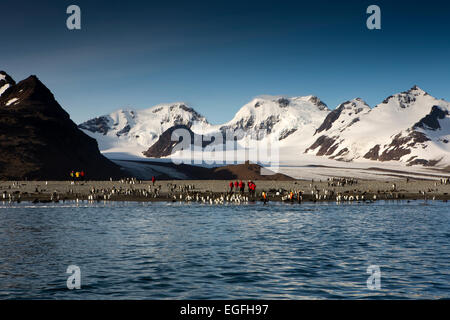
{"points": [[193, 251]]}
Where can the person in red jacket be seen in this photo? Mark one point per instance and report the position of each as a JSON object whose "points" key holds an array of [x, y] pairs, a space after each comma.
{"points": [[241, 186], [153, 180], [236, 184], [252, 189], [231, 186]]}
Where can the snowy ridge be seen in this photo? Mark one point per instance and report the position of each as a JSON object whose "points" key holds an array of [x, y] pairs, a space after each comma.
{"points": [[277, 116], [409, 128], [387, 132], [4, 87], [344, 116], [135, 130], [5, 82]]}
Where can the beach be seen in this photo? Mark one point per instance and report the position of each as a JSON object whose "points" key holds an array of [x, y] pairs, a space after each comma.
{"points": [[218, 191]]}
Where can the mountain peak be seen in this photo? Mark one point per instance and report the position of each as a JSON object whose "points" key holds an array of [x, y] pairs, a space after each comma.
{"points": [[33, 78], [180, 110], [360, 103], [164, 107], [31, 95], [142, 127], [359, 100], [356, 104], [316, 101], [33, 81], [346, 113], [4, 75], [416, 91], [30, 89], [405, 98], [39, 141], [5, 82]]}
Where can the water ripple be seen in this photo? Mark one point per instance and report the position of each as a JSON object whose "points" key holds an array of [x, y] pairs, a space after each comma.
{"points": [[176, 251]]}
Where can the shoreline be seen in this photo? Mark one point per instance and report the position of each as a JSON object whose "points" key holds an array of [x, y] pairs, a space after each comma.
{"points": [[73, 203], [217, 191]]}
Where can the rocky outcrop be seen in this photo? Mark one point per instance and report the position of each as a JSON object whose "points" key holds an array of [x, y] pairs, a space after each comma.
{"points": [[401, 146], [168, 141], [330, 119], [325, 144], [319, 103], [96, 125], [5, 82], [351, 108], [431, 120], [374, 153], [286, 133], [246, 171], [38, 140], [423, 162]]}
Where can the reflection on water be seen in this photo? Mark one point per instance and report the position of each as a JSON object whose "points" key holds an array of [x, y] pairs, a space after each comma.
{"points": [[180, 251]]}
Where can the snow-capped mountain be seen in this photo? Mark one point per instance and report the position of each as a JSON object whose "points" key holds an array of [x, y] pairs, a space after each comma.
{"points": [[412, 127], [136, 130], [38, 140], [344, 116], [267, 117], [278, 117]]}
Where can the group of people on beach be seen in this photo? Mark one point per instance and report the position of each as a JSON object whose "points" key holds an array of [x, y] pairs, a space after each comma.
{"points": [[235, 186], [77, 175]]}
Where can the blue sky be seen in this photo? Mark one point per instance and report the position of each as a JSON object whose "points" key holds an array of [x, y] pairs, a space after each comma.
{"points": [[218, 55]]}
